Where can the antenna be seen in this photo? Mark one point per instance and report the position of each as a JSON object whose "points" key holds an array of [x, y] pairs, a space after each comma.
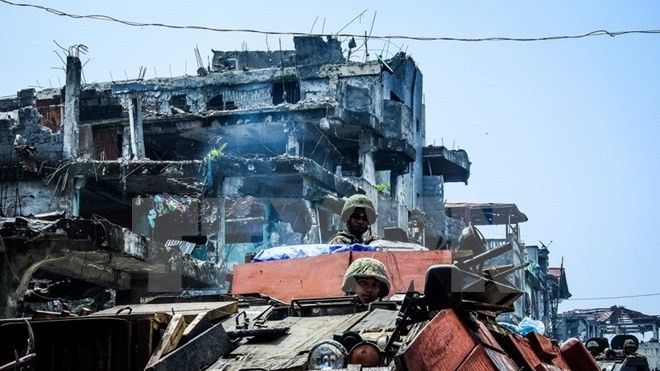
{"points": [[312, 30], [544, 245]]}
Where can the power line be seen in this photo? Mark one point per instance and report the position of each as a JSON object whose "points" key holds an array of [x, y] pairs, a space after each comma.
{"points": [[388, 37], [617, 297]]}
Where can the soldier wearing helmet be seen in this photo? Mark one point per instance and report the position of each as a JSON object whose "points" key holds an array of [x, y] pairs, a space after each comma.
{"points": [[594, 350], [630, 349], [367, 279], [358, 213]]}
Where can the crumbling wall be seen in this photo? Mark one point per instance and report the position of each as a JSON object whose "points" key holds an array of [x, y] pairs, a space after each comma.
{"points": [[26, 198], [314, 89], [434, 210], [243, 60], [28, 125], [453, 228], [313, 50]]}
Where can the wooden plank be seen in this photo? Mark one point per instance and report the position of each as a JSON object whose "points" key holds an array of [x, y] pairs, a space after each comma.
{"points": [[197, 353], [198, 325], [170, 338], [376, 321], [220, 308], [290, 351]]}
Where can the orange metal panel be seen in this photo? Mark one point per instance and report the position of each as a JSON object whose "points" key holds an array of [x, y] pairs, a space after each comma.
{"points": [[524, 351], [442, 345], [577, 356], [405, 266], [483, 335], [317, 276], [520, 349], [322, 276], [559, 361], [484, 359], [541, 345]]}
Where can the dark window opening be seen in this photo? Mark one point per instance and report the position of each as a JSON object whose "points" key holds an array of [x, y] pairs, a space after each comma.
{"points": [[216, 103], [179, 101], [286, 91], [417, 125], [230, 105], [395, 97]]}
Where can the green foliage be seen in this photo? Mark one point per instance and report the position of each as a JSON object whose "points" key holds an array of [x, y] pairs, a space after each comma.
{"points": [[383, 187], [216, 152]]}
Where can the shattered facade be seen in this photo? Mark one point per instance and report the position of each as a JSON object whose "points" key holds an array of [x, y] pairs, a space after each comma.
{"points": [[257, 150]]}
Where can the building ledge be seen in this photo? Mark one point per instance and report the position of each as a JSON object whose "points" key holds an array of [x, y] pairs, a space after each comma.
{"points": [[453, 165]]}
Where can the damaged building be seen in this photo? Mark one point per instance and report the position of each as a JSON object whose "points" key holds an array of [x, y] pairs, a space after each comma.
{"points": [[172, 177]]}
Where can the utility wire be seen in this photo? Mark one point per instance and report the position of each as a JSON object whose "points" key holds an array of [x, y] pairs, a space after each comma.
{"points": [[617, 297], [404, 37]]}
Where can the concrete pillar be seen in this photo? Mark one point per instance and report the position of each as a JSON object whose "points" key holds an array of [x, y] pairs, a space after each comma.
{"points": [[135, 128], [71, 108], [366, 159], [292, 145], [126, 143]]}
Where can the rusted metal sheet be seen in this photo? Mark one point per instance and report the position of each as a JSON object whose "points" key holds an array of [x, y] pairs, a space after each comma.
{"points": [[484, 359], [51, 113], [86, 144], [290, 351], [106, 144], [483, 335], [442, 345], [522, 352]]}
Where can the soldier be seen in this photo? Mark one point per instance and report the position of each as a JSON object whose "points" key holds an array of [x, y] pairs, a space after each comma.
{"points": [[366, 278], [630, 349], [358, 213], [594, 350]]}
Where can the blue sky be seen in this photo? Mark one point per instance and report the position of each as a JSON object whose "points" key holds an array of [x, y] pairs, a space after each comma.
{"points": [[566, 129]]}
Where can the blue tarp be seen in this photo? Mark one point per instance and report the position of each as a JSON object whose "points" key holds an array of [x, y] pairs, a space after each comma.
{"points": [[303, 251]]}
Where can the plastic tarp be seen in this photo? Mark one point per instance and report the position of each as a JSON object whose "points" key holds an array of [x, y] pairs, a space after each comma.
{"points": [[303, 251]]}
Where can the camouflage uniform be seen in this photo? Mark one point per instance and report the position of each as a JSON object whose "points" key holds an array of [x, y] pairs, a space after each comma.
{"points": [[630, 343], [346, 237], [365, 268], [593, 345]]}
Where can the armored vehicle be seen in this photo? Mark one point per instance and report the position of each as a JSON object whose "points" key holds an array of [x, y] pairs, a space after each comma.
{"points": [[287, 311]]}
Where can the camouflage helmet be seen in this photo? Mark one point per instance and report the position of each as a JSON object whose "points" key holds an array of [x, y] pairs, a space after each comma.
{"points": [[366, 267], [592, 344], [356, 201], [629, 343]]}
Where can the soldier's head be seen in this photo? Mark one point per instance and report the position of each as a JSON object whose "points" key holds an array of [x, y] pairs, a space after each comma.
{"points": [[366, 278], [629, 346], [592, 347], [358, 213]]}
